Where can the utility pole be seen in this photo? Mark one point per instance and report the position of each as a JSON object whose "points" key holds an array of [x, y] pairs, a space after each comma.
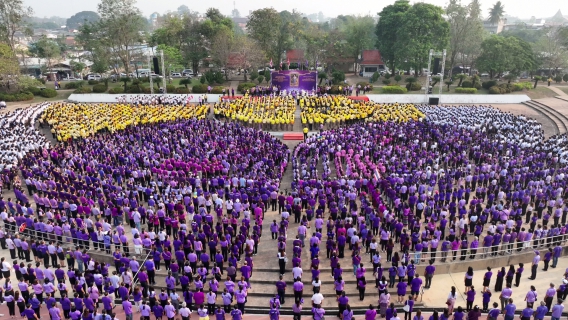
{"points": [[163, 72], [150, 73]]}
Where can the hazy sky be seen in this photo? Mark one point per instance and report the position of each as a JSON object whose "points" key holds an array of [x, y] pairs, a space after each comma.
{"points": [[330, 8]]}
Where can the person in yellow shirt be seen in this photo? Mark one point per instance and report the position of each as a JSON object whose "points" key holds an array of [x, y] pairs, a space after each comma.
{"points": [[305, 133]]}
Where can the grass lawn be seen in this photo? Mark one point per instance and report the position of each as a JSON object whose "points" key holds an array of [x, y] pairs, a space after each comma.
{"points": [[563, 88], [540, 92]]}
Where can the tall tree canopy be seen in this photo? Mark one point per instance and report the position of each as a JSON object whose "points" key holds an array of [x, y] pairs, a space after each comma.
{"points": [[13, 13], [80, 18], [422, 28], [388, 40], [500, 54]]}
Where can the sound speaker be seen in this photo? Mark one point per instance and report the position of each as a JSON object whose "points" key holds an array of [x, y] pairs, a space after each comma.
{"points": [[433, 101], [156, 65], [436, 66]]}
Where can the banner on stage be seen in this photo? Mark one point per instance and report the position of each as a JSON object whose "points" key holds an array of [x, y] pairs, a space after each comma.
{"points": [[294, 80]]}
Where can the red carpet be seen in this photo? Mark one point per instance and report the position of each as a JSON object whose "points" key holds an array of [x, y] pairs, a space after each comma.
{"points": [[363, 98], [293, 136], [231, 98]]}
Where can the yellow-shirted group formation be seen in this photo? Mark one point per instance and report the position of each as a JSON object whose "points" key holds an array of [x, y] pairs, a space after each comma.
{"points": [[70, 120], [271, 113], [337, 110]]}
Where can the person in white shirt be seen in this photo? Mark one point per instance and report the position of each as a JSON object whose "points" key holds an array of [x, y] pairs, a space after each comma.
{"points": [[317, 299], [5, 268], [184, 312]]}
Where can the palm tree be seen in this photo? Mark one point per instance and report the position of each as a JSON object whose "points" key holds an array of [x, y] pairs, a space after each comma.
{"points": [[496, 13]]}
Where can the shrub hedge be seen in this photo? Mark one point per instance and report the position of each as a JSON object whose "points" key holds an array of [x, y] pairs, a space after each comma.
{"points": [[217, 90], [83, 90], [74, 84], [33, 90], [466, 90], [48, 93], [93, 82], [116, 90], [394, 89], [182, 90], [243, 87], [99, 88], [199, 88], [488, 84], [520, 86], [12, 97]]}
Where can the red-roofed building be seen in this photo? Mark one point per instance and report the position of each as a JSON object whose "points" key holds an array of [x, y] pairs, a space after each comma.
{"points": [[371, 62]]}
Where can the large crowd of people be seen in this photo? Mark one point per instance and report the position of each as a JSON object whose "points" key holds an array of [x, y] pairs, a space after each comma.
{"points": [[466, 183], [80, 120], [334, 111], [263, 112], [158, 187], [18, 135]]}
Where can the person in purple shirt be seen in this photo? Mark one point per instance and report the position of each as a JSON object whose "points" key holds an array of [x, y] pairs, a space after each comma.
{"points": [[556, 252], [127, 306], [415, 285], [509, 310], [541, 311], [470, 297], [401, 290], [298, 287]]}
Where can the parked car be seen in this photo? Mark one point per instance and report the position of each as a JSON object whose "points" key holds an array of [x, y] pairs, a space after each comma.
{"points": [[175, 75], [187, 72], [94, 77]]}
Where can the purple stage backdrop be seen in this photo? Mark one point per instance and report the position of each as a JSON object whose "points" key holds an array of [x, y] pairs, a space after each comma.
{"points": [[294, 80]]}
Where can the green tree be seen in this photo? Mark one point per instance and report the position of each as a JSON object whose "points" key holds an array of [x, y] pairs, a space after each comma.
{"points": [[422, 28], [461, 77], [77, 66], [253, 75], [173, 58], [388, 39], [359, 35], [215, 23], [120, 24], [267, 76], [510, 77], [448, 83], [13, 16], [410, 81], [185, 82], [8, 67], [436, 80], [536, 80], [274, 32], [397, 78], [47, 49], [81, 18], [260, 79], [501, 54], [465, 29], [126, 80], [496, 13]]}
